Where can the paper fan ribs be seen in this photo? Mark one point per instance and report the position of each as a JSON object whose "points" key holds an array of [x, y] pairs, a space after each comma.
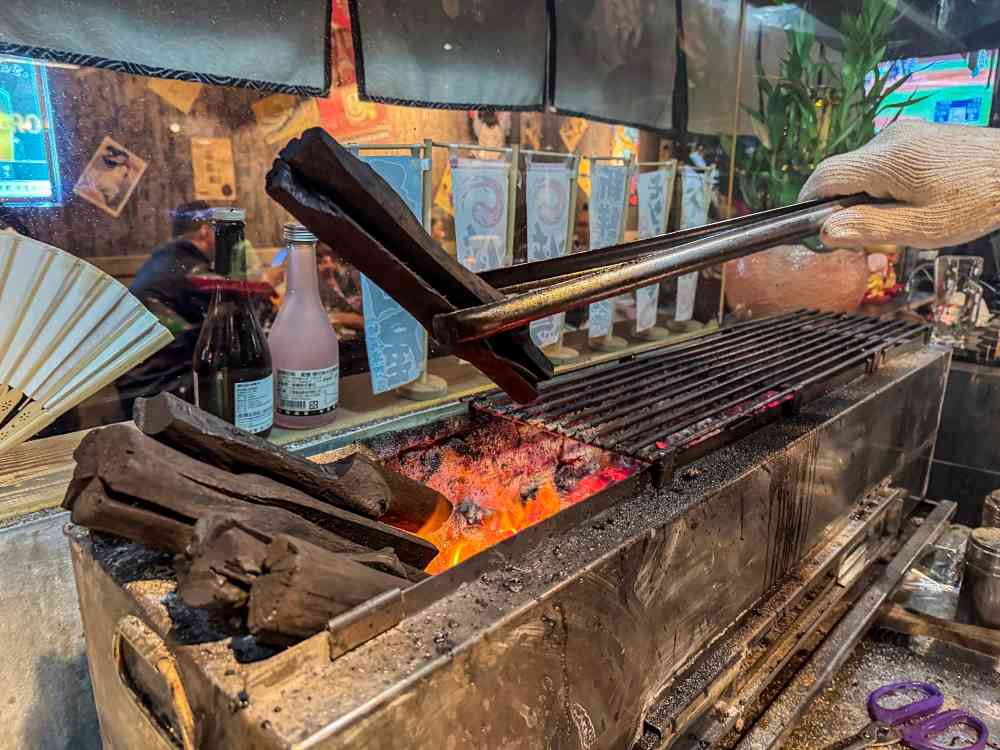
{"points": [[67, 329]]}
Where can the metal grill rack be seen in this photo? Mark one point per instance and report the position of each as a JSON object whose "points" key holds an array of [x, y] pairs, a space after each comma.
{"points": [[672, 406]]}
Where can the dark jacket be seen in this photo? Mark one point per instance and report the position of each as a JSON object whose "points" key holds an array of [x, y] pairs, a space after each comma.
{"points": [[163, 286]]}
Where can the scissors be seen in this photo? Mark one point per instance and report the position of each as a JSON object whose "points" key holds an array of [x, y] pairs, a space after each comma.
{"points": [[915, 723]]}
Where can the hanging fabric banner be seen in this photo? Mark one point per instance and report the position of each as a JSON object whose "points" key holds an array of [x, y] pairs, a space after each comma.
{"points": [[479, 194], [395, 341], [264, 46], [608, 183], [547, 198], [654, 190], [695, 192]]}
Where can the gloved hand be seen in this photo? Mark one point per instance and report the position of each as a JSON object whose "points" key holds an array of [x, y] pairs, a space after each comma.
{"points": [[945, 179]]}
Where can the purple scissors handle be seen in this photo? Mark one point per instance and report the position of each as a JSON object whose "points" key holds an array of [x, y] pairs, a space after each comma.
{"points": [[918, 736], [925, 706]]}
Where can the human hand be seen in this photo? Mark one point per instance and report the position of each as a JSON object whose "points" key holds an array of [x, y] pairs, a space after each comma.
{"points": [[945, 180]]}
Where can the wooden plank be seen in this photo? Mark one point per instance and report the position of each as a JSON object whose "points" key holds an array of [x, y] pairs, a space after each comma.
{"points": [[34, 475], [972, 637]]}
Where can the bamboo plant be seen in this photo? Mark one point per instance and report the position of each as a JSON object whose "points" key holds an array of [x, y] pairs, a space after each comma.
{"points": [[818, 107]]}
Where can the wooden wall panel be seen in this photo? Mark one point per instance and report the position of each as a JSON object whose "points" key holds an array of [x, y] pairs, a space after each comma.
{"points": [[90, 104]]}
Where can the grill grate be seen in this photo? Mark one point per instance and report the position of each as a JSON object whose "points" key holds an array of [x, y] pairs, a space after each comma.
{"points": [[671, 406]]}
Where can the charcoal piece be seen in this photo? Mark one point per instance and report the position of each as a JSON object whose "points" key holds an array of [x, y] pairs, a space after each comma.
{"points": [[357, 483], [344, 202], [149, 492], [304, 586], [226, 556]]}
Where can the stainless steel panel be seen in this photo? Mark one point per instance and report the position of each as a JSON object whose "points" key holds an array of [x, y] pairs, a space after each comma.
{"points": [[564, 643]]}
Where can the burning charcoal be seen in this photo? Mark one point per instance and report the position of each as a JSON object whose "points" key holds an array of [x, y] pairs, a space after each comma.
{"points": [[529, 491], [430, 462], [567, 475], [472, 513], [460, 446]]}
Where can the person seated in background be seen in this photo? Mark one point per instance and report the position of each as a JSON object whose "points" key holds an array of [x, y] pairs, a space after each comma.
{"points": [[163, 286]]}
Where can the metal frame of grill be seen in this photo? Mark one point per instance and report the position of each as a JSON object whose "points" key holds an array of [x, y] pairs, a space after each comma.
{"points": [[673, 406]]}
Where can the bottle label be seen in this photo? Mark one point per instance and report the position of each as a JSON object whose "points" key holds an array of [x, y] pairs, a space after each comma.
{"points": [[255, 404], [306, 393]]}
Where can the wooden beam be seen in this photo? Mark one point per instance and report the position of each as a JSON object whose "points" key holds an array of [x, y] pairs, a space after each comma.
{"points": [[972, 637]]}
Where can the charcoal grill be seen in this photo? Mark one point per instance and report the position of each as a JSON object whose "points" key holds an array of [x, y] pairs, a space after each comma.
{"points": [[671, 407], [622, 617]]}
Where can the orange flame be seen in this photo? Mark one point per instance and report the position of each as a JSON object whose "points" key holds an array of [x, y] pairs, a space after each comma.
{"points": [[502, 477], [460, 538]]}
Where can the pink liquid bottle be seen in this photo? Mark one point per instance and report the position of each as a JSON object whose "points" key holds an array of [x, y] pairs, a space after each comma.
{"points": [[304, 347]]}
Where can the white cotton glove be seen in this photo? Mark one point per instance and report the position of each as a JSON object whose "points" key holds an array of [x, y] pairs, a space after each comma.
{"points": [[945, 179]]}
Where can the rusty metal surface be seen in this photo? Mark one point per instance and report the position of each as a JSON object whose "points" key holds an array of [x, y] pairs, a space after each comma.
{"points": [[783, 715], [563, 642], [748, 652], [683, 401]]}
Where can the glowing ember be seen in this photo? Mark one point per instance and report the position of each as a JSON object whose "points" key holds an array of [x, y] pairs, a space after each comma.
{"points": [[503, 477]]}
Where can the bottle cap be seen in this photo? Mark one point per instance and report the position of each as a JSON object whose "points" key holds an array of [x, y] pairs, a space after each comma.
{"points": [[229, 213], [297, 233]]}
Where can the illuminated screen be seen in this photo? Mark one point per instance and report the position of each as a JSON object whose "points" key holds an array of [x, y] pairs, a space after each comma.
{"points": [[957, 88], [29, 170]]}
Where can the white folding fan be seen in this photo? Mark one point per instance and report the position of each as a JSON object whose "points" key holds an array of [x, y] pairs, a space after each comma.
{"points": [[67, 329]]}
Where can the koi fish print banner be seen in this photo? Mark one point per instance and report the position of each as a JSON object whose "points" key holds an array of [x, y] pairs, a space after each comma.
{"points": [[695, 193], [607, 201], [479, 194], [654, 191], [547, 196], [395, 341]]}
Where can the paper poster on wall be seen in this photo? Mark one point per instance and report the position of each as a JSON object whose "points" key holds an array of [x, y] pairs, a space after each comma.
{"points": [[110, 177], [281, 117], [179, 94], [583, 179], [214, 172], [479, 194], [442, 197], [395, 341], [607, 202], [624, 141], [571, 132], [654, 191], [348, 119], [547, 198], [695, 193]]}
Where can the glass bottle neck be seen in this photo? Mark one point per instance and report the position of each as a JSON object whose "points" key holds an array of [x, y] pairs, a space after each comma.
{"points": [[303, 281]]}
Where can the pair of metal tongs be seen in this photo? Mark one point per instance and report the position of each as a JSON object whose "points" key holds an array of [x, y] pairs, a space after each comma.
{"points": [[483, 318], [536, 290]]}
